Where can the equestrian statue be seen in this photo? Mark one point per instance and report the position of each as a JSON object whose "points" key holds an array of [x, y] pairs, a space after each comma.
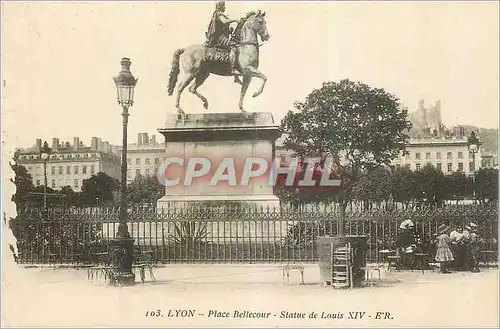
{"points": [[226, 52]]}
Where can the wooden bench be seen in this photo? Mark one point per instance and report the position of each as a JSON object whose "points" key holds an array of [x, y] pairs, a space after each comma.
{"points": [[142, 271], [370, 269], [289, 267]]}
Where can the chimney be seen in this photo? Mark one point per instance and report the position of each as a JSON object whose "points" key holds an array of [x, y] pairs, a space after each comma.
{"points": [[153, 139], [94, 144], [139, 138], [55, 144], [438, 105], [38, 144], [100, 144], [145, 138], [421, 104], [106, 147], [76, 143]]}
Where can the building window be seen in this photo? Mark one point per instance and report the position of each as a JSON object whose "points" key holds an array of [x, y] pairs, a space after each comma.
{"points": [[53, 183], [76, 183], [439, 166], [157, 161], [129, 161], [129, 173], [53, 170], [37, 182], [460, 155], [137, 172], [417, 156], [471, 166], [449, 155], [30, 168], [428, 155], [76, 169], [450, 167], [84, 169], [417, 166], [438, 155], [460, 166], [60, 170], [408, 166], [138, 161], [68, 170], [92, 169], [147, 171], [147, 161]]}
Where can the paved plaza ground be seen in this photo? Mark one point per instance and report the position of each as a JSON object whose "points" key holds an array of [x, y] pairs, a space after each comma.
{"points": [[65, 297]]}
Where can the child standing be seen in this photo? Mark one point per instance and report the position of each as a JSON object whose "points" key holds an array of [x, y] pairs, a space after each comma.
{"points": [[443, 253]]}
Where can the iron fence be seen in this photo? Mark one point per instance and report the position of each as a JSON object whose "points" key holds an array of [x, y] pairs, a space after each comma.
{"points": [[227, 234]]}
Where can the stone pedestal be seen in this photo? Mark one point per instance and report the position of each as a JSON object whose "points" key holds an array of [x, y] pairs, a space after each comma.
{"points": [[218, 137]]}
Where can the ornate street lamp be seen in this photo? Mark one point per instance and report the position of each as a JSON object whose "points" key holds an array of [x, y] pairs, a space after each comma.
{"points": [[122, 245], [473, 145], [44, 155]]}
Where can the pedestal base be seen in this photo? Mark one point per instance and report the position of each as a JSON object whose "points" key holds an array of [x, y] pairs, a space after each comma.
{"points": [[264, 202], [122, 256]]}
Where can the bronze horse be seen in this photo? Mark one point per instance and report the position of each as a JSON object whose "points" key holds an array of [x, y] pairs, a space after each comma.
{"points": [[195, 66]]}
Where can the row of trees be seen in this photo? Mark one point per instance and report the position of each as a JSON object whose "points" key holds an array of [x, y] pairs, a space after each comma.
{"points": [[97, 190], [426, 186]]}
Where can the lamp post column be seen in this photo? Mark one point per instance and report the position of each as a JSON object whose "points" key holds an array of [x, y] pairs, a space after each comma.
{"points": [[122, 246], [45, 187]]}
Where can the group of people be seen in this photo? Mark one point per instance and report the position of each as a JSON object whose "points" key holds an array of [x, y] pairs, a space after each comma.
{"points": [[458, 248], [455, 248]]}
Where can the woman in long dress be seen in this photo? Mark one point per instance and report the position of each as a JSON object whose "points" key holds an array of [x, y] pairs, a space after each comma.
{"points": [[443, 253]]}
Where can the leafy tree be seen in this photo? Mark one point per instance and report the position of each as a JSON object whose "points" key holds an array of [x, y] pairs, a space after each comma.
{"points": [[403, 185], [24, 184], [487, 185], [366, 124], [373, 186], [430, 185], [99, 189], [144, 190], [457, 186]]}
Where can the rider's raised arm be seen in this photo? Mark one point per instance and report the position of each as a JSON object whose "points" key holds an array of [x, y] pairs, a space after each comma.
{"points": [[226, 20]]}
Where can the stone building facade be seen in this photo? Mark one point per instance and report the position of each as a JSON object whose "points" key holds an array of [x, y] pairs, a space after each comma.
{"points": [[70, 163], [145, 156]]}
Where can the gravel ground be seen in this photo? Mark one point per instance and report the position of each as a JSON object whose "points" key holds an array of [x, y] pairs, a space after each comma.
{"points": [[64, 297]]}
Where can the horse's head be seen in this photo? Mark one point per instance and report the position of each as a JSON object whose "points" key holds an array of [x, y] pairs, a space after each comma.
{"points": [[256, 21]]}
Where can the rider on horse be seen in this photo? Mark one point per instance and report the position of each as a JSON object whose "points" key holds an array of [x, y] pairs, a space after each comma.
{"points": [[219, 33]]}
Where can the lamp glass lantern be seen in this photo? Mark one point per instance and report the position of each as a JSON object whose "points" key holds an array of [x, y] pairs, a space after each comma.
{"points": [[45, 151], [473, 143], [125, 84]]}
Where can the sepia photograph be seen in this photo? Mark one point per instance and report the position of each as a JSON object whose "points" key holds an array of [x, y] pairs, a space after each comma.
{"points": [[250, 164]]}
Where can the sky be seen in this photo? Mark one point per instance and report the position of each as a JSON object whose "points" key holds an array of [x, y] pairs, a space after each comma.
{"points": [[58, 60]]}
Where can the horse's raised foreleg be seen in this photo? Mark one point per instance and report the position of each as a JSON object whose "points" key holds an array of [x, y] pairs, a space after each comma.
{"points": [[198, 81], [244, 88], [180, 89], [257, 74]]}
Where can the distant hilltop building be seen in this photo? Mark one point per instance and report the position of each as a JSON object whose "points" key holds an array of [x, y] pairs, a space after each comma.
{"points": [[427, 118], [70, 163]]}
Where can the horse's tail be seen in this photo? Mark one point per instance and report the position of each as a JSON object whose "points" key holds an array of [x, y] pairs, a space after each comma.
{"points": [[174, 73]]}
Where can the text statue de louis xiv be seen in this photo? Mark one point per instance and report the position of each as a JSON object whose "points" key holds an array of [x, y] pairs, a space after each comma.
{"points": [[227, 52]]}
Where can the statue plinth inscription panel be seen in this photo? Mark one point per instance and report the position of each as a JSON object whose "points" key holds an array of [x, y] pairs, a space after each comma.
{"points": [[219, 139]]}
